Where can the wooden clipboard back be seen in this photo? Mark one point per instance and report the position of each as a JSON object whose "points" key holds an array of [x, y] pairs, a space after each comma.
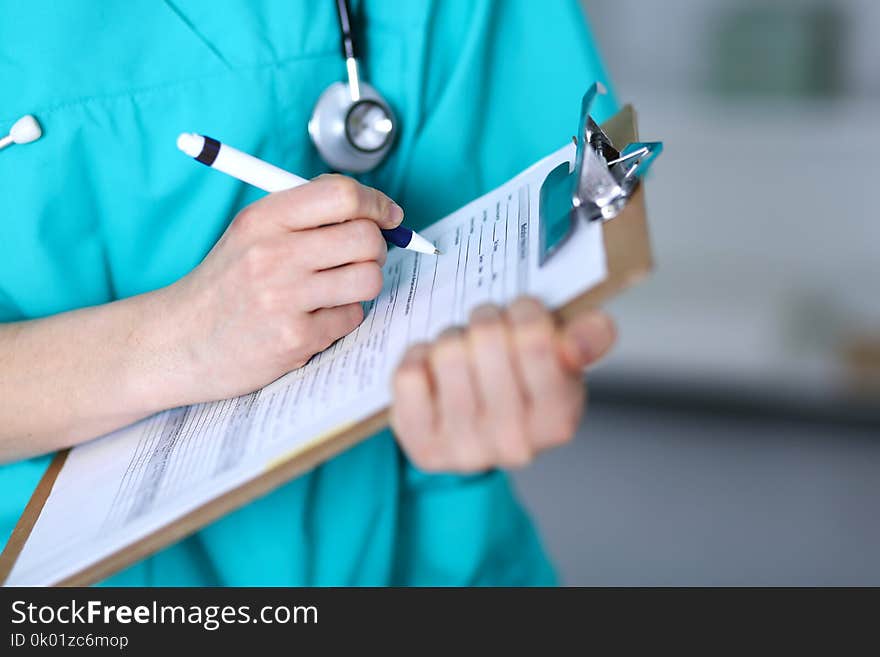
{"points": [[628, 255]]}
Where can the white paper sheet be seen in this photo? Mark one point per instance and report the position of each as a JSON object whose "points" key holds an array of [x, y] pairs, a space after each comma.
{"points": [[118, 488]]}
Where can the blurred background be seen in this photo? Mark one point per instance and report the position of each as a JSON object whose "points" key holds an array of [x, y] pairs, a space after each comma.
{"points": [[734, 435]]}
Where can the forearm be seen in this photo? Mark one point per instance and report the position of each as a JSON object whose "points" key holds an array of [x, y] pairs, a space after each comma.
{"points": [[74, 376], [285, 281]]}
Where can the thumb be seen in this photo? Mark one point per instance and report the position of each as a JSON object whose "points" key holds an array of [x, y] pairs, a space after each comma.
{"points": [[587, 338]]}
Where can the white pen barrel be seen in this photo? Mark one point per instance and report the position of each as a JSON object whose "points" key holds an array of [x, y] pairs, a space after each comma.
{"points": [[253, 171]]}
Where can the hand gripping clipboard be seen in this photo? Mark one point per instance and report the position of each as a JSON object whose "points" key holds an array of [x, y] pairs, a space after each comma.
{"points": [[603, 185]]}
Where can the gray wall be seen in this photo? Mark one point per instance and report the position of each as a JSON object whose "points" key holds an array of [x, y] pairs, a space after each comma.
{"points": [[766, 239], [662, 45], [646, 496]]}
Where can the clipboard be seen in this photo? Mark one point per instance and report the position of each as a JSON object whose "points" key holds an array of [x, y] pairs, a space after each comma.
{"points": [[628, 260]]}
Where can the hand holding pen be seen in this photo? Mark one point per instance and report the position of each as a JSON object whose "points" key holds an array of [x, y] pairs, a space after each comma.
{"points": [[270, 178], [287, 278]]}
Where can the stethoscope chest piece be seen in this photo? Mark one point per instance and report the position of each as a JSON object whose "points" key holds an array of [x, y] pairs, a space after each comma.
{"points": [[352, 126], [352, 135]]}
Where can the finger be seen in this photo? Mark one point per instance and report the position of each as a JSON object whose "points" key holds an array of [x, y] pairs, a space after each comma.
{"points": [[413, 411], [330, 324], [586, 339], [358, 240], [457, 401], [328, 199], [360, 281], [556, 396], [500, 388]]}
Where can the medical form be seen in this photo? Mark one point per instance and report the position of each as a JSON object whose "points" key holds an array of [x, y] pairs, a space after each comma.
{"points": [[123, 486]]}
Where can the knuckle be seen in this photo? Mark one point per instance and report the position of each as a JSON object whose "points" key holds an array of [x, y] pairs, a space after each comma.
{"points": [[371, 280], [292, 336], [367, 238], [356, 231], [515, 433], [472, 462], [486, 331], [466, 450], [411, 374], [407, 376], [297, 241], [528, 305], [527, 311], [424, 451], [326, 338], [485, 313], [515, 449], [247, 218], [537, 340], [356, 315], [516, 456], [267, 300], [377, 248], [298, 297], [346, 193], [256, 261], [427, 458], [322, 336], [448, 347], [451, 339], [563, 426]]}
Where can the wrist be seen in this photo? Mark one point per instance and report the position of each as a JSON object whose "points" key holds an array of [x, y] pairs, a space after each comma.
{"points": [[161, 367]]}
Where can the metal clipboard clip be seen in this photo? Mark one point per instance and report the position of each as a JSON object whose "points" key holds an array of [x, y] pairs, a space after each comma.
{"points": [[599, 185]]}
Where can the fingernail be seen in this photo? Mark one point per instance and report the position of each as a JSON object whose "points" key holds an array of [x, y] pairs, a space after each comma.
{"points": [[395, 214], [415, 354], [485, 312], [592, 336], [451, 332], [524, 311]]}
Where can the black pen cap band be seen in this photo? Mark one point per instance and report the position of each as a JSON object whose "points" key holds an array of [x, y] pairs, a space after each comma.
{"points": [[209, 151]]}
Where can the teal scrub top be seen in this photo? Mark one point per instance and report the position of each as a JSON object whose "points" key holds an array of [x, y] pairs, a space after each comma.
{"points": [[104, 207]]}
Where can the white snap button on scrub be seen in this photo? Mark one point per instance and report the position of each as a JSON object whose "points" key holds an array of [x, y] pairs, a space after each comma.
{"points": [[23, 131]]}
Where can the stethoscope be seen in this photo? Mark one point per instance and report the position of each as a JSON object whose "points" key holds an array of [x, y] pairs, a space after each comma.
{"points": [[352, 126]]}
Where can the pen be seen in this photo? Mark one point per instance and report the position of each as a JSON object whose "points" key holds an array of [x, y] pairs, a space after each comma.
{"points": [[270, 178]]}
